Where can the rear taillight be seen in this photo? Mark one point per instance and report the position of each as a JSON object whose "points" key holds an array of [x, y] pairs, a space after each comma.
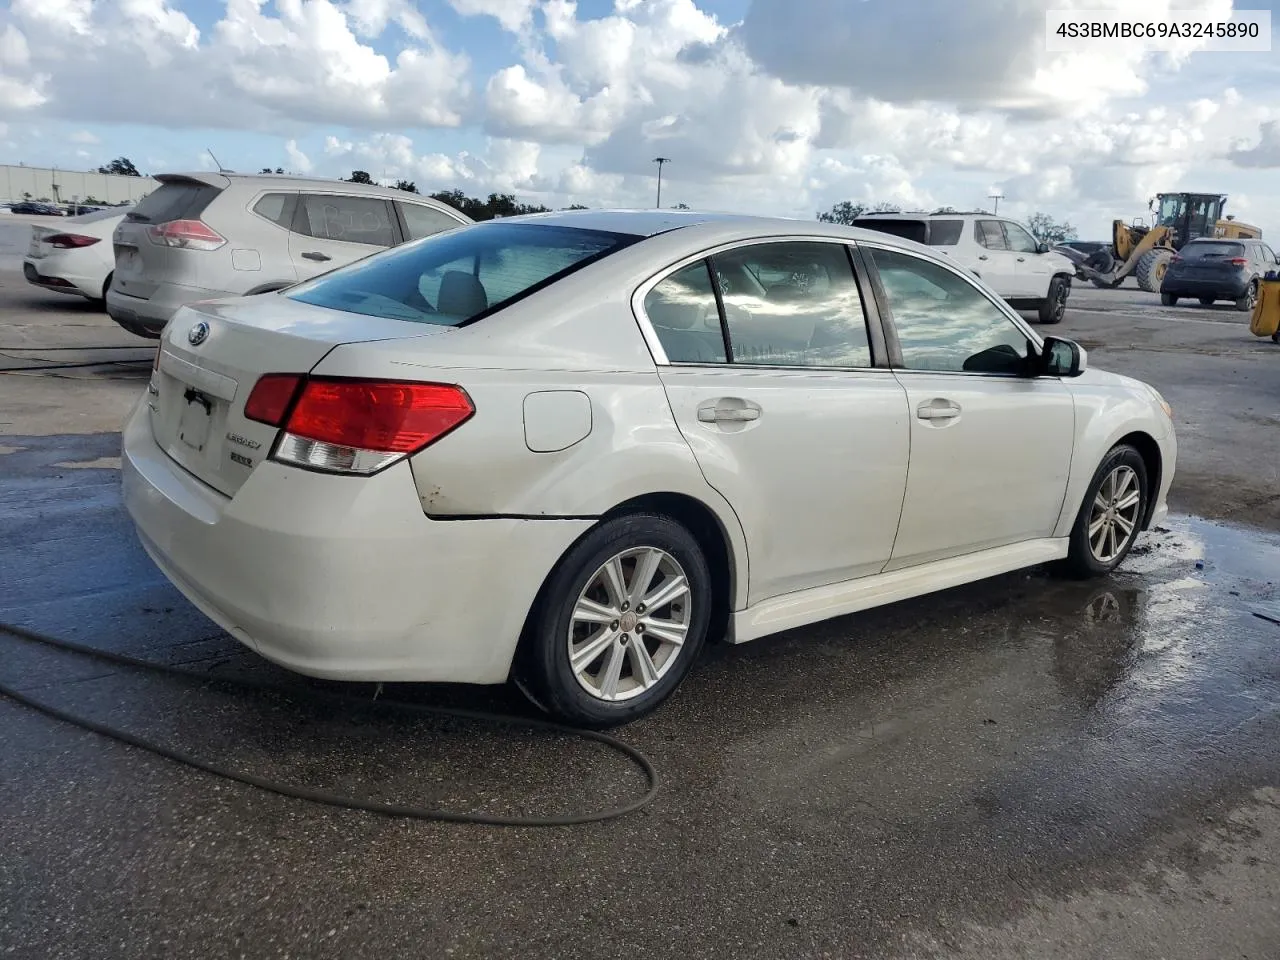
{"points": [[355, 426], [269, 400], [186, 234], [70, 241], [1238, 261]]}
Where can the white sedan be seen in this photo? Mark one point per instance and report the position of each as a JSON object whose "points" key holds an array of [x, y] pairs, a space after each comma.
{"points": [[567, 449], [76, 256]]}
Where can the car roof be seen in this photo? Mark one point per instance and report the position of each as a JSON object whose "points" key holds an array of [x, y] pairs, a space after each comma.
{"points": [[285, 181], [650, 223], [922, 215]]}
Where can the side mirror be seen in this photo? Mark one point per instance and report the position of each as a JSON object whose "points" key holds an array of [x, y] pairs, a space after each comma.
{"points": [[1062, 358], [1042, 247]]}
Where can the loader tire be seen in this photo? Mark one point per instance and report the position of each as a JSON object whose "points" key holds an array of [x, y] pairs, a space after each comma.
{"points": [[1151, 268]]}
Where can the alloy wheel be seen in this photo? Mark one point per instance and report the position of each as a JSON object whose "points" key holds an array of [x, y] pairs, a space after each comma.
{"points": [[1113, 521], [629, 624]]}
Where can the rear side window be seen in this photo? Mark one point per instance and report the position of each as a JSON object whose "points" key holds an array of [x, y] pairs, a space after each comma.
{"points": [[174, 201], [792, 304], [365, 220], [453, 278], [906, 229], [276, 207], [989, 234], [683, 312], [423, 221], [945, 233]]}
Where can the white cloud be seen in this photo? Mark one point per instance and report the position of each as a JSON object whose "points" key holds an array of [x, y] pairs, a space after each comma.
{"points": [[1265, 153], [514, 15], [84, 136], [298, 160]]}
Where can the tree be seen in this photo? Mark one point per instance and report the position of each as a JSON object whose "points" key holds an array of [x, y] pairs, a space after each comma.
{"points": [[846, 211], [944, 210], [360, 176], [681, 206], [408, 186], [1048, 230], [497, 205], [120, 167], [577, 206], [276, 170]]}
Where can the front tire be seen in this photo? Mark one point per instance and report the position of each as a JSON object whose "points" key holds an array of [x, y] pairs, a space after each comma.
{"points": [[1169, 300], [1110, 516], [619, 624], [1054, 307], [1151, 269], [1207, 301]]}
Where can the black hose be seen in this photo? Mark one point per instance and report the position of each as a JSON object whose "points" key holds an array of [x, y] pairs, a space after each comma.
{"points": [[73, 366], [320, 796]]}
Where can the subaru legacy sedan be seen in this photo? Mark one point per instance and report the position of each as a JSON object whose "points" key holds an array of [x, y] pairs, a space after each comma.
{"points": [[566, 450]]}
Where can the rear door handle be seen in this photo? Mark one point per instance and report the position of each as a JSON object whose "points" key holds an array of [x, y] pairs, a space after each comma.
{"points": [[712, 413], [938, 410], [982, 256], [312, 255], [1022, 259]]}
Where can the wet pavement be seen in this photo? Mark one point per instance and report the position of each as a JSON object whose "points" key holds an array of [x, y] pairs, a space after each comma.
{"points": [[1025, 767]]}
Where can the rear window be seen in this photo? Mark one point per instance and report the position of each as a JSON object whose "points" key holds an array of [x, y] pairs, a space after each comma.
{"points": [[1197, 250], [453, 278], [173, 201], [945, 233]]}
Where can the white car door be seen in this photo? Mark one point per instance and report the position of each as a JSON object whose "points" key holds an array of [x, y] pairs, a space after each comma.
{"points": [[996, 263], [990, 446], [1034, 269], [333, 229], [779, 400]]}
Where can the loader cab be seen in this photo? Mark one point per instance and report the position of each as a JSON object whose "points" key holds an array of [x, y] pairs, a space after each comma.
{"points": [[1188, 215]]}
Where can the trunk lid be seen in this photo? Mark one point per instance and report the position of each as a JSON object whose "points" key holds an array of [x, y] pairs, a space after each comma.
{"points": [[142, 265], [198, 391]]}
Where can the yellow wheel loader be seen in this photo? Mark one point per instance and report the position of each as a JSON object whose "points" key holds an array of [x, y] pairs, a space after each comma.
{"points": [[1145, 251]]}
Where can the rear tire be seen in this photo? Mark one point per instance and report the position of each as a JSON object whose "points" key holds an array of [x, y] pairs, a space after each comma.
{"points": [[1245, 303], [1151, 269], [1108, 506], [1168, 300], [1054, 307], [631, 662]]}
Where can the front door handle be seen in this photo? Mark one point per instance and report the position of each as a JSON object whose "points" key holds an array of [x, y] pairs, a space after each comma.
{"points": [[938, 410], [313, 255], [1022, 259], [717, 413], [982, 256]]}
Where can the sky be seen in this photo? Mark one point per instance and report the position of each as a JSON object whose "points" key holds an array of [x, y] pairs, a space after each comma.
{"points": [[781, 107]]}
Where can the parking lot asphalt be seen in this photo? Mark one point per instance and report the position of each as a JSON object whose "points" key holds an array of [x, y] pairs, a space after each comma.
{"points": [[1024, 767]]}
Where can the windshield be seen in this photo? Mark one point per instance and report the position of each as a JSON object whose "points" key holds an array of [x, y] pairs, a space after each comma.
{"points": [[452, 278], [1170, 210], [1198, 250]]}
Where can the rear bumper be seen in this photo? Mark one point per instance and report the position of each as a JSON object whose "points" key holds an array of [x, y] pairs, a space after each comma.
{"points": [[341, 577], [147, 316], [48, 274], [1218, 289]]}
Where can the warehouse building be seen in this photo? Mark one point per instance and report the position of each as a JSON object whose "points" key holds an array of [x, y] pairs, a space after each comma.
{"points": [[67, 186]]}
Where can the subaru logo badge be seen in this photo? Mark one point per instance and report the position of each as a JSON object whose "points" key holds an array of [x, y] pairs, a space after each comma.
{"points": [[198, 334]]}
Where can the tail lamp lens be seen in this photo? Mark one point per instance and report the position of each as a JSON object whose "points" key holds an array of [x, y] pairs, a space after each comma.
{"points": [[185, 234], [354, 425], [70, 241]]}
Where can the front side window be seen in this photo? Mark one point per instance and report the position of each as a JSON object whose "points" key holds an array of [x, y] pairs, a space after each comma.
{"points": [[365, 220], [682, 310], [792, 304], [944, 324], [452, 278], [1019, 240]]}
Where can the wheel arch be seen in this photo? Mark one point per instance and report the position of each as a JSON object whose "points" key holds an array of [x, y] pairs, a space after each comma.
{"points": [[1153, 460]]}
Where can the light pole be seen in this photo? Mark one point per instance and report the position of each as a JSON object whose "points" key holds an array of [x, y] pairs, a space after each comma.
{"points": [[660, 161], [996, 197]]}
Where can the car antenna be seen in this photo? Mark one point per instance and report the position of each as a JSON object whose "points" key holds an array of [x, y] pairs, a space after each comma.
{"points": [[221, 168]]}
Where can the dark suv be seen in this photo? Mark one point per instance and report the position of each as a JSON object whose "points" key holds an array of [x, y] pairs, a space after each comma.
{"points": [[1212, 270]]}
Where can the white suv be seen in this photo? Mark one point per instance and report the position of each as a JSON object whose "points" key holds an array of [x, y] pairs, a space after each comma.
{"points": [[207, 236], [1001, 251]]}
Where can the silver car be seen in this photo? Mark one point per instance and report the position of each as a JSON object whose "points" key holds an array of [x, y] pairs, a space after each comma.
{"points": [[206, 236]]}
